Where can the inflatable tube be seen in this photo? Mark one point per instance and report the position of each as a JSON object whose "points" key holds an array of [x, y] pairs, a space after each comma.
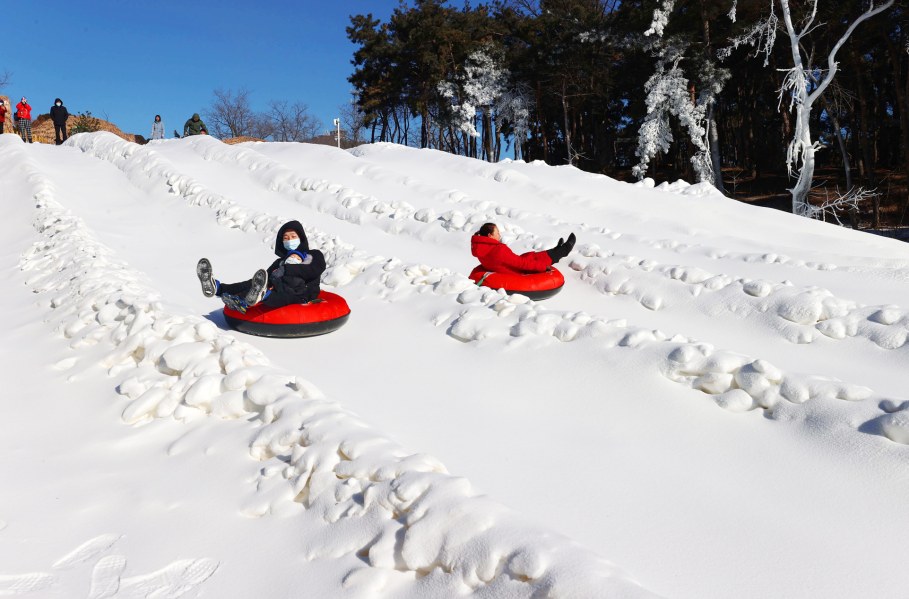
{"points": [[328, 313], [536, 286]]}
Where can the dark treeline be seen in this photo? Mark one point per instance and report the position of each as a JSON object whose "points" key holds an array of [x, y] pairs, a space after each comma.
{"points": [[566, 81]]}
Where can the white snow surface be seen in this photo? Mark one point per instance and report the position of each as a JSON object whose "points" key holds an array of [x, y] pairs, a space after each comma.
{"points": [[715, 405]]}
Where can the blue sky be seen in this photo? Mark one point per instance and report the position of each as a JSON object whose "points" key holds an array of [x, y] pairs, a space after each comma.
{"points": [[127, 60]]}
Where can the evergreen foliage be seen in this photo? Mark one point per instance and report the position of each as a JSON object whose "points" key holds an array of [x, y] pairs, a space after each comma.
{"points": [[85, 123]]}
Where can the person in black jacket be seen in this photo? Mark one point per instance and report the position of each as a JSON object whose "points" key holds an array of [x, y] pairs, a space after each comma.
{"points": [[59, 115], [291, 279]]}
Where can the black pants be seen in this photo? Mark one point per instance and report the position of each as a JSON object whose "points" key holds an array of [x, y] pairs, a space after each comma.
{"points": [[275, 299], [58, 129]]}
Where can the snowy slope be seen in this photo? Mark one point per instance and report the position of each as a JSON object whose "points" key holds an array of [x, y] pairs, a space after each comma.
{"points": [[714, 406]]}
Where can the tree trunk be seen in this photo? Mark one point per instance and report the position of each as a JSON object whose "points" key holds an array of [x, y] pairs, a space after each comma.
{"points": [[567, 130], [405, 129], [838, 131], [801, 149], [901, 86], [424, 128], [543, 137], [806, 156], [863, 134], [487, 135], [384, 130], [713, 136], [749, 156]]}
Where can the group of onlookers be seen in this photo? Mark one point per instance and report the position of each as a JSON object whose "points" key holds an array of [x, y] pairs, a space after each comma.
{"points": [[194, 125], [22, 119]]}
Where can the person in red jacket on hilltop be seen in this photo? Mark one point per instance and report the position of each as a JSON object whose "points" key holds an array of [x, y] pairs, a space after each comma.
{"points": [[495, 256], [24, 119], [2, 116]]}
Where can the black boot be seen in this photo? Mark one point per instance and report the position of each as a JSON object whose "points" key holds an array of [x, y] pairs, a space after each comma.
{"points": [[204, 272], [257, 288]]}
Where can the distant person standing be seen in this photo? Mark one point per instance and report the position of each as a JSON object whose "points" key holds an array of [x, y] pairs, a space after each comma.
{"points": [[157, 128], [24, 119], [2, 116], [59, 115], [194, 126]]}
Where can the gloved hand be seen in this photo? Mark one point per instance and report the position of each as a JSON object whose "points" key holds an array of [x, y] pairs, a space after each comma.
{"points": [[562, 248]]}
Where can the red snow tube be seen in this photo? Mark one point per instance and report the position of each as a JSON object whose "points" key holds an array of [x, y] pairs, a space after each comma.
{"points": [[326, 314], [536, 286]]}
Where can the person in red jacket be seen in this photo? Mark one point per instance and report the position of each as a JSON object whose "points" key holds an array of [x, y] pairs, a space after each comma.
{"points": [[495, 256], [2, 116], [24, 118]]}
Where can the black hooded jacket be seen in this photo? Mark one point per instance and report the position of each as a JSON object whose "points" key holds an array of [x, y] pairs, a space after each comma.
{"points": [[59, 114], [295, 283]]}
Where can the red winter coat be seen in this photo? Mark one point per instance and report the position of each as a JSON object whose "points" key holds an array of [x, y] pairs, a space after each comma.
{"points": [[497, 257], [3, 113], [24, 111]]}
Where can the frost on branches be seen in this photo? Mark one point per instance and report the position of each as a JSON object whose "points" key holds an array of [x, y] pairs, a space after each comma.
{"points": [[667, 94], [484, 87], [660, 18], [804, 83]]}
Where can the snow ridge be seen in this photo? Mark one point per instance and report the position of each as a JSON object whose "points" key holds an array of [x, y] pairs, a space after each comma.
{"points": [[402, 514], [803, 312]]}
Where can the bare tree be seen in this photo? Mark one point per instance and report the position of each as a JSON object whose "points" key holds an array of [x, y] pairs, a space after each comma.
{"points": [[353, 122], [288, 122], [5, 79], [231, 115]]}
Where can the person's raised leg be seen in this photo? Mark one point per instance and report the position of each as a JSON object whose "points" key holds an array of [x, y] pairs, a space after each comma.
{"points": [[204, 272], [257, 287]]}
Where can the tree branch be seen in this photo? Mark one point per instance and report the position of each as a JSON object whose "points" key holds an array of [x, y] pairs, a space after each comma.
{"points": [[831, 59]]}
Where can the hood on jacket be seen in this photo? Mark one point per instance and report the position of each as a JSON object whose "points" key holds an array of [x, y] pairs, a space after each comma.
{"points": [[58, 100], [293, 225], [480, 245], [195, 116]]}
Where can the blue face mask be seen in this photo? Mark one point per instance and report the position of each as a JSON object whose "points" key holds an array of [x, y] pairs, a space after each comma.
{"points": [[291, 244]]}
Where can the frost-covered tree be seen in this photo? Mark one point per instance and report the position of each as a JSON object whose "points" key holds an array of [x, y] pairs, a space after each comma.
{"points": [[513, 109], [804, 82], [669, 94], [482, 92]]}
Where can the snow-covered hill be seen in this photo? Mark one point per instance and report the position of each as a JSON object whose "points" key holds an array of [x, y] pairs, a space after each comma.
{"points": [[715, 405]]}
